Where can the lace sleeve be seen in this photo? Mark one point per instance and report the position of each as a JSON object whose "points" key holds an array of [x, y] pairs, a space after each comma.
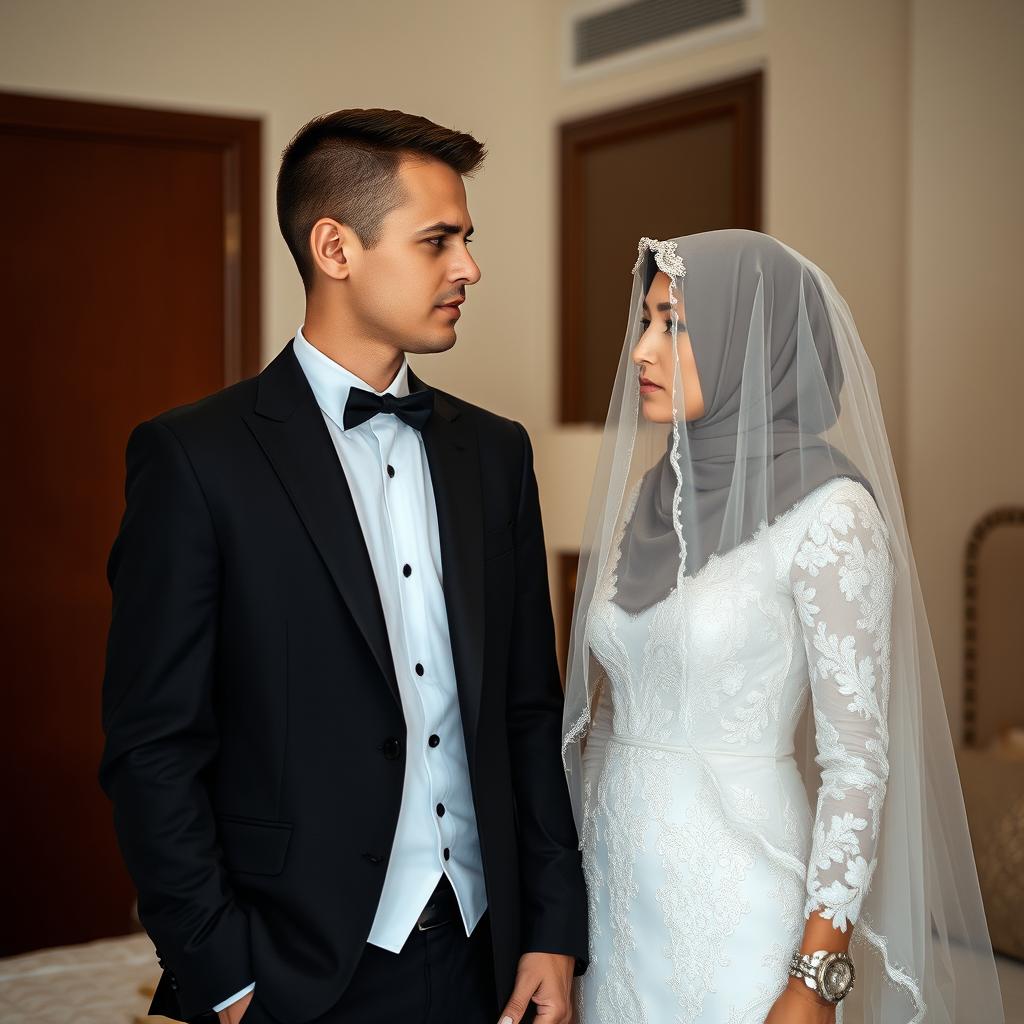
{"points": [[842, 583]]}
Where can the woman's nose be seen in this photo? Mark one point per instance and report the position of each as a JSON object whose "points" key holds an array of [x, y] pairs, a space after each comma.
{"points": [[640, 352]]}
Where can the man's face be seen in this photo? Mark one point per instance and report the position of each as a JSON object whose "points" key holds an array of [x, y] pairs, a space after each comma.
{"points": [[407, 289]]}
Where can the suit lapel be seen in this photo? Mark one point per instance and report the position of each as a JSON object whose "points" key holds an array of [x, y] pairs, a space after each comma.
{"points": [[453, 456], [290, 428]]}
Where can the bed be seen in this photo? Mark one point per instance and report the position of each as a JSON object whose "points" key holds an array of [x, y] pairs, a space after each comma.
{"points": [[110, 981]]}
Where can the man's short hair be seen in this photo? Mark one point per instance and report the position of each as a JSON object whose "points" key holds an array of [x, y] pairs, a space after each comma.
{"points": [[345, 166]]}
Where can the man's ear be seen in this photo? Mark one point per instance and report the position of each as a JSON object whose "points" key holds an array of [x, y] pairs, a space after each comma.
{"points": [[332, 245]]}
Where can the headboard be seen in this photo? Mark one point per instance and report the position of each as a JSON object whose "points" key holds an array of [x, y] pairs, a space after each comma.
{"points": [[991, 761], [994, 626]]}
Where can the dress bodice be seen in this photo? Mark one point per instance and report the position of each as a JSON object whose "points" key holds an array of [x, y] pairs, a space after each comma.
{"points": [[718, 660]]}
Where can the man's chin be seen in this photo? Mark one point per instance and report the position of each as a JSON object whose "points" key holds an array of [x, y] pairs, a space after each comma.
{"points": [[436, 344]]}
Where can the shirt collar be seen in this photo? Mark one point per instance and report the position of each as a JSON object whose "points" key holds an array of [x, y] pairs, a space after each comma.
{"points": [[331, 382]]}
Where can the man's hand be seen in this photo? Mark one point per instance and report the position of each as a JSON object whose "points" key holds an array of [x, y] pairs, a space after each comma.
{"points": [[546, 978], [799, 1005], [233, 1014]]}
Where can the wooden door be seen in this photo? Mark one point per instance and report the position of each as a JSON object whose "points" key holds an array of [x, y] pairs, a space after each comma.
{"points": [[670, 167], [131, 248]]}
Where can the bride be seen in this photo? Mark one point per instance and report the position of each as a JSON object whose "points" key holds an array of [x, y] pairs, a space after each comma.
{"points": [[755, 738]]}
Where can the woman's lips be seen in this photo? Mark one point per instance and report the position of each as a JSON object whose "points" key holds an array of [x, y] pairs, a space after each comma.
{"points": [[646, 387]]}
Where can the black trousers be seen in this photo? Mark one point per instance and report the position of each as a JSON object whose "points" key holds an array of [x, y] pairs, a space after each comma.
{"points": [[441, 976]]}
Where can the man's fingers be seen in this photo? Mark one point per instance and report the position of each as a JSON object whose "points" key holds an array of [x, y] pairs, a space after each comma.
{"points": [[519, 1001]]}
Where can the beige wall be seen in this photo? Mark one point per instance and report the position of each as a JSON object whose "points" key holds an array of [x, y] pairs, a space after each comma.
{"points": [[840, 109], [965, 352]]}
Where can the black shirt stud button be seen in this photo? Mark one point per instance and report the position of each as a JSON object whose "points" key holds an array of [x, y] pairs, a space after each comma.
{"points": [[447, 854], [440, 810], [419, 669], [392, 749], [407, 570], [434, 740], [391, 471]]}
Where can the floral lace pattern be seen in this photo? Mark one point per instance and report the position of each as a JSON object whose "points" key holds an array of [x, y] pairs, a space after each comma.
{"points": [[698, 842], [842, 579], [701, 855]]}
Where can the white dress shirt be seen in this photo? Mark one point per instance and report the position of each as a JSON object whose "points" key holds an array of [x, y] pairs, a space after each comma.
{"points": [[385, 463]]}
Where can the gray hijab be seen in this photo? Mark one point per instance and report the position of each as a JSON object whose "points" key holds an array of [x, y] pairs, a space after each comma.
{"points": [[798, 403]]}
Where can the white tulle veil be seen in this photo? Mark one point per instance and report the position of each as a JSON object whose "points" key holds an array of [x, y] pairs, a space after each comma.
{"points": [[790, 402]]}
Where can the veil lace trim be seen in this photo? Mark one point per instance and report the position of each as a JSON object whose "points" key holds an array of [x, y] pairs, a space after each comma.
{"points": [[665, 256]]}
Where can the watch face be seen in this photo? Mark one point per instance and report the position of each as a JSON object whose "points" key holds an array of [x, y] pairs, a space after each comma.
{"points": [[836, 976]]}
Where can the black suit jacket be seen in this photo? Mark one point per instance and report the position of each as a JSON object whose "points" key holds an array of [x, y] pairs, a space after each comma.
{"points": [[255, 742]]}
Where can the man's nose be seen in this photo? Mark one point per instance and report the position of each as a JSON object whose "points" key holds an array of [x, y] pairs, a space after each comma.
{"points": [[467, 270]]}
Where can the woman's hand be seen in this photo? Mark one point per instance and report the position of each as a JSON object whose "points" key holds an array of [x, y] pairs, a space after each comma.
{"points": [[799, 1005]]}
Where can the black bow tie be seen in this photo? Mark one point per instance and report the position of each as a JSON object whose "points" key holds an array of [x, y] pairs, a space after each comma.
{"points": [[414, 409]]}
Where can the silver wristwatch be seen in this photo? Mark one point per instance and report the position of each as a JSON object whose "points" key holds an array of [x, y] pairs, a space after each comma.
{"points": [[829, 974]]}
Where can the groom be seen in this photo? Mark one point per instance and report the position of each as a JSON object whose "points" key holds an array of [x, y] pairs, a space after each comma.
{"points": [[331, 699]]}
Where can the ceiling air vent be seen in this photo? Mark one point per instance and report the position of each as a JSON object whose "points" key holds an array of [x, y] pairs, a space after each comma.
{"points": [[616, 32]]}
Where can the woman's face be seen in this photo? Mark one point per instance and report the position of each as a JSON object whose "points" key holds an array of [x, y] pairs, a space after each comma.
{"points": [[654, 361]]}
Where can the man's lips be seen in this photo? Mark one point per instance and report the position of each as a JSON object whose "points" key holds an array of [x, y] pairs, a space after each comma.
{"points": [[452, 308]]}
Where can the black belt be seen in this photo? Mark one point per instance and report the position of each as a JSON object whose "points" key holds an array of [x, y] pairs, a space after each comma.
{"points": [[442, 908]]}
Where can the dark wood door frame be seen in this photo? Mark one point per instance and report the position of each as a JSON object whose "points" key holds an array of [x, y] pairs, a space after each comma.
{"points": [[739, 99], [238, 141]]}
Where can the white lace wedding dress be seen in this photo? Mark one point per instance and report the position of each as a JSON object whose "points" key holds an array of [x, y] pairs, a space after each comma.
{"points": [[701, 851]]}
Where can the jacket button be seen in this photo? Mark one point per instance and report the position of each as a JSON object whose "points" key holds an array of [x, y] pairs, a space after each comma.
{"points": [[373, 858], [392, 749]]}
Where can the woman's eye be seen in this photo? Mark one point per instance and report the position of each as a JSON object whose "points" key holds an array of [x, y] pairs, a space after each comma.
{"points": [[645, 324]]}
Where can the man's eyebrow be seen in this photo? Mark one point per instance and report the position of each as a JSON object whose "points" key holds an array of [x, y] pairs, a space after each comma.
{"points": [[445, 228]]}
